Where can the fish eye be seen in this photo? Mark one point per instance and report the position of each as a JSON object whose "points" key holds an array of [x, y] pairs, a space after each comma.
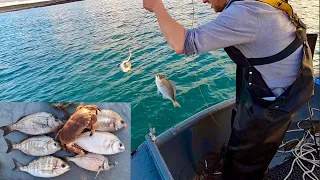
{"points": [[56, 120], [122, 121], [120, 144], [63, 165], [55, 144], [109, 163]]}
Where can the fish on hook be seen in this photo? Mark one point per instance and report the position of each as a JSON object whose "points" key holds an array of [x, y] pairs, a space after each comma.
{"points": [[126, 64], [167, 88]]}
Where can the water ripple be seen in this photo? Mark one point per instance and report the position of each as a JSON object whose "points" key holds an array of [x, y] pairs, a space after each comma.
{"points": [[72, 52]]}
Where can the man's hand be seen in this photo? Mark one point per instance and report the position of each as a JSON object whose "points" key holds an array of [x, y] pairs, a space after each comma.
{"points": [[150, 5], [171, 29]]}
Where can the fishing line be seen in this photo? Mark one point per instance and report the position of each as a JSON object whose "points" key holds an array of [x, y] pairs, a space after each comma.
{"points": [[184, 61], [197, 72], [128, 40]]}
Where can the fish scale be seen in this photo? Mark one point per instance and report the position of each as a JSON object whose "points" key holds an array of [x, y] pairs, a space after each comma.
{"points": [[43, 167], [167, 89], [35, 146], [34, 124], [92, 162], [100, 143]]}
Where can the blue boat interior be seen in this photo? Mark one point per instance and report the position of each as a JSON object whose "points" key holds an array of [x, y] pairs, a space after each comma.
{"points": [[176, 152]]}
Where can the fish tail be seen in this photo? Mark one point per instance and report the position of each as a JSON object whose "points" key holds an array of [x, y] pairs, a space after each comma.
{"points": [[176, 104], [6, 130], [10, 145], [65, 158], [17, 165]]}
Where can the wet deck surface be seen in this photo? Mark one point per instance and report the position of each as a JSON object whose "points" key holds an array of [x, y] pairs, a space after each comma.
{"points": [[10, 112]]}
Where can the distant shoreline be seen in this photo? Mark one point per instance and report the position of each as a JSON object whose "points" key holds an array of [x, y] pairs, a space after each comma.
{"points": [[33, 5]]}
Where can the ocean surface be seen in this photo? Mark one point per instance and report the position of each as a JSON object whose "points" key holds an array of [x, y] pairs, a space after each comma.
{"points": [[72, 52]]}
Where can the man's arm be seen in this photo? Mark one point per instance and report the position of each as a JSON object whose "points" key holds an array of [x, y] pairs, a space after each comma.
{"points": [[171, 29], [235, 25]]}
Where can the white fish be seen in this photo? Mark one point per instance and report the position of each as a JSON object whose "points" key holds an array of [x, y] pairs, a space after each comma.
{"points": [[35, 146], [34, 124], [167, 89], [109, 121], [92, 162], [126, 64], [100, 143], [45, 167]]}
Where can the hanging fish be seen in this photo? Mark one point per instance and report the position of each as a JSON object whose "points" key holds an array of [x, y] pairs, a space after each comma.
{"points": [[167, 89], [45, 167], [35, 146], [100, 143], [92, 162], [34, 124], [126, 64]]}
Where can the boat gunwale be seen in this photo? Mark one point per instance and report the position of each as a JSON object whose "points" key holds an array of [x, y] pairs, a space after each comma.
{"points": [[191, 121]]}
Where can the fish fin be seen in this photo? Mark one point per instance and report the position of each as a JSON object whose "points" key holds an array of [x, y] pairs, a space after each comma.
{"points": [[20, 118], [176, 104], [158, 92], [55, 138], [65, 158], [17, 165], [174, 88], [97, 175], [66, 114], [6, 130], [10, 145]]}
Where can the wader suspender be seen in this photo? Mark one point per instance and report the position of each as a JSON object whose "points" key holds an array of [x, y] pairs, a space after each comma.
{"points": [[293, 46]]}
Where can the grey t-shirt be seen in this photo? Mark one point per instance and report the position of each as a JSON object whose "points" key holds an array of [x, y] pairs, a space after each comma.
{"points": [[257, 30]]}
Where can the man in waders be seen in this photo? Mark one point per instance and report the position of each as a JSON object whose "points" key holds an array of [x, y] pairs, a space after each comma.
{"points": [[269, 45]]}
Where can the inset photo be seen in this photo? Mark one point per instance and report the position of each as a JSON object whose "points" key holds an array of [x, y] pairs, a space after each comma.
{"points": [[65, 140]]}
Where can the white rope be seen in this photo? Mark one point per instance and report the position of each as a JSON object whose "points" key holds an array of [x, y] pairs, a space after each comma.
{"points": [[300, 151]]}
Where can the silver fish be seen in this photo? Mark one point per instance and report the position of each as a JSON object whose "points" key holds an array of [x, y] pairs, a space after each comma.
{"points": [[109, 121], [35, 146], [92, 162], [45, 167], [100, 143], [126, 64], [34, 124], [167, 89]]}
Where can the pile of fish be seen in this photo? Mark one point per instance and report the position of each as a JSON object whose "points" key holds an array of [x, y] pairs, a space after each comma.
{"points": [[88, 133]]}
